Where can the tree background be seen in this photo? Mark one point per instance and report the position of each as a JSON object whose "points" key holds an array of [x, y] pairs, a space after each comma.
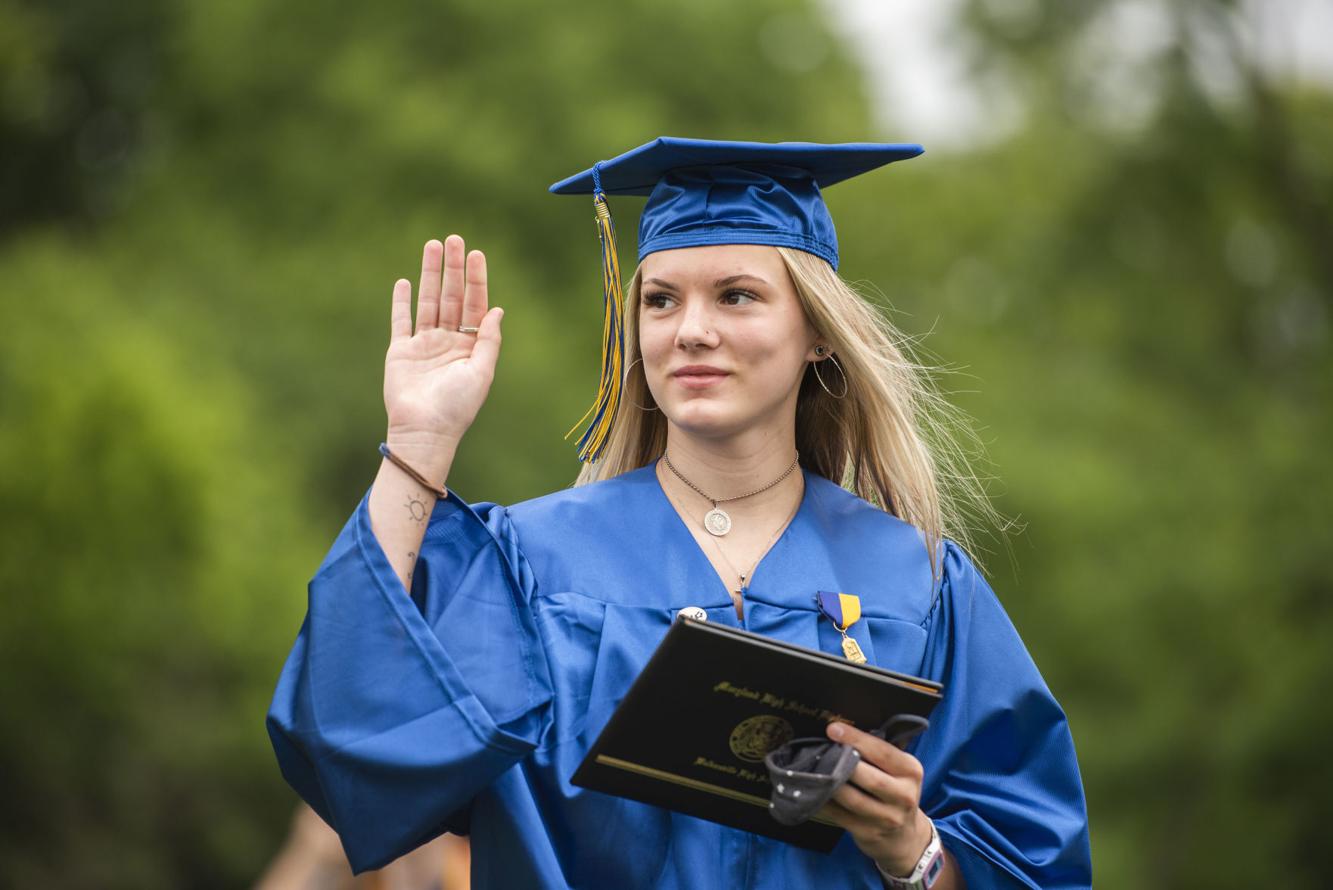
{"points": [[203, 208]]}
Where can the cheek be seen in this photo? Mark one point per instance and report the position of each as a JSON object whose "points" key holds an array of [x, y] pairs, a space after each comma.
{"points": [[655, 344], [777, 358]]}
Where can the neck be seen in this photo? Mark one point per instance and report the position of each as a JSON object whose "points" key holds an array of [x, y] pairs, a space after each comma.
{"points": [[729, 467]]}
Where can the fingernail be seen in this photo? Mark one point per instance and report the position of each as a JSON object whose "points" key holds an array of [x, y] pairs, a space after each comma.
{"points": [[836, 731]]}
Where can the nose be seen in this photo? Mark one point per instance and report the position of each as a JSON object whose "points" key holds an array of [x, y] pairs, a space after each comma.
{"points": [[697, 327]]}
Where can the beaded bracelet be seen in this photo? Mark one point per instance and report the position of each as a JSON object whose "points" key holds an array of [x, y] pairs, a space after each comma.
{"points": [[440, 491]]}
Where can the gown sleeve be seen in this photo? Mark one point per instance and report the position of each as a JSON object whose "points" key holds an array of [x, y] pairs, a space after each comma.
{"points": [[1001, 779], [393, 711]]}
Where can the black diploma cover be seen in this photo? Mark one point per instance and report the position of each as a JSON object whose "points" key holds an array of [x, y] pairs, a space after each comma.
{"points": [[692, 732]]}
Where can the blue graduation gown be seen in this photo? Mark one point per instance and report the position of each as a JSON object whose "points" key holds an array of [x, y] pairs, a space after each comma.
{"points": [[467, 706]]}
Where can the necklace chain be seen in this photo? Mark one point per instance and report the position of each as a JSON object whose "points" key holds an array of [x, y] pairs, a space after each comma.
{"points": [[715, 501], [762, 553]]}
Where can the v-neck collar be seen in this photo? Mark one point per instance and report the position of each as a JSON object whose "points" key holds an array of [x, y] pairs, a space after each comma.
{"points": [[700, 557]]}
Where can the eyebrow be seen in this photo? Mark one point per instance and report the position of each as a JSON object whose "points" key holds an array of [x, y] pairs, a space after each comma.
{"points": [[721, 282]]}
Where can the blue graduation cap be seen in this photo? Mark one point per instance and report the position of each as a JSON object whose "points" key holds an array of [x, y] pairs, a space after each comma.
{"points": [[705, 191]]}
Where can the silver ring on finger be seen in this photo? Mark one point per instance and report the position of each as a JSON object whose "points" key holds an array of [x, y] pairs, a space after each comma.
{"points": [[467, 329]]}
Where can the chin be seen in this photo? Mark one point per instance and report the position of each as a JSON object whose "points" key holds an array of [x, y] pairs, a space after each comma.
{"points": [[707, 421]]}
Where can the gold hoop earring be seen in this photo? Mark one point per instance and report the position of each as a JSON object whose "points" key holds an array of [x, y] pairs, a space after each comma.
{"points": [[645, 383], [846, 385]]}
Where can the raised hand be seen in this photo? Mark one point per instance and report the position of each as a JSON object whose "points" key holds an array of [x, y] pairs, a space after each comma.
{"points": [[437, 377]]}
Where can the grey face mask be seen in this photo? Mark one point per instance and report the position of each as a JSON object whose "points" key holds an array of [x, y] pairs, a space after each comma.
{"points": [[804, 773]]}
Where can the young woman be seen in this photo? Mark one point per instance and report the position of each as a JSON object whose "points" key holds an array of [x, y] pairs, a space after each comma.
{"points": [[458, 660]]}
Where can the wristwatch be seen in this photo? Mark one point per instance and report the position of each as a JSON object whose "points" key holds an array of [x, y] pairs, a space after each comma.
{"points": [[927, 870]]}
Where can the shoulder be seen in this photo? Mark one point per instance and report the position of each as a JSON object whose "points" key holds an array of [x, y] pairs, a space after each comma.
{"points": [[582, 500], [871, 547], [960, 576], [965, 597], [862, 532], [847, 510], [596, 508]]}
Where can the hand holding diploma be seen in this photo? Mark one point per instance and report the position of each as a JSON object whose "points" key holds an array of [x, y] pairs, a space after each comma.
{"points": [[880, 806]]}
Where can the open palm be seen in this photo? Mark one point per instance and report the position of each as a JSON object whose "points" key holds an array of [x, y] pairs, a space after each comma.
{"points": [[437, 377]]}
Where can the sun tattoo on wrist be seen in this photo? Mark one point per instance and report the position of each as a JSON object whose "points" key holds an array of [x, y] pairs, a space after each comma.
{"points": [[416, 508]]}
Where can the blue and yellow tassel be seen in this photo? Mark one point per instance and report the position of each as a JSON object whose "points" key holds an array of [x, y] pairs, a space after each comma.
{"points": [[603, 411]]}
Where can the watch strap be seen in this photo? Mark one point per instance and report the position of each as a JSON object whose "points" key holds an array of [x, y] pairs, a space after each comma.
{"points": [[926, 872]]}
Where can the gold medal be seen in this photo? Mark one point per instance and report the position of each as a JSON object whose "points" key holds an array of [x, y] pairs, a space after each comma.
{"points": [[852, 650], [844, 610]]}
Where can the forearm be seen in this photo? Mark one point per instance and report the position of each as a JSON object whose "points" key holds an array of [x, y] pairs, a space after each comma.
{"points": [[400, 508]]}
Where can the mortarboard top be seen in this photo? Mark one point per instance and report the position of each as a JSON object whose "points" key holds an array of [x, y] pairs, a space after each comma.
{"points": [[706, 191]]}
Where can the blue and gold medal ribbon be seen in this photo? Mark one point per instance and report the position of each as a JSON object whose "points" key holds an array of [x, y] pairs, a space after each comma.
{"points": [[844, 610], [603, 411]]}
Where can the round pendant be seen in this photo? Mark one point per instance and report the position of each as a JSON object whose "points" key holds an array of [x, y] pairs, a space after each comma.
{"points": [[717, 522]]}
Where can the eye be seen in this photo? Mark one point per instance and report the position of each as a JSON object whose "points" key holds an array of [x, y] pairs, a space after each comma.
{"points": [[656, 300], [738, 297]]}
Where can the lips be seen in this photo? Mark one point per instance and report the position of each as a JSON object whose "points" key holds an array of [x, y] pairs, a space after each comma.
{"points": [[699, 371], [699, 376]]}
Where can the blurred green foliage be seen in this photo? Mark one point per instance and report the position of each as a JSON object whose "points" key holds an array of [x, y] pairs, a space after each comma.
{"points": [[204, 207]]}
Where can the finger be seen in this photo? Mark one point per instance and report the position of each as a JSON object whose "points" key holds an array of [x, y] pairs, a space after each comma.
{"points": [[486, 351], [869, 809], [841, 816], [475, 301], [451, 303], [892, 790], [428, 291], [400, 316], [877, 751]]}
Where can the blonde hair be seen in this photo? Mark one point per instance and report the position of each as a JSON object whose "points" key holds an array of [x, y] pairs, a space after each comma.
{"points": [[890, 440]]}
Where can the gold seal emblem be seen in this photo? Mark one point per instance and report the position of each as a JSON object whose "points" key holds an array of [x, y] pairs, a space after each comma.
{"points": [[756, 736]]}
